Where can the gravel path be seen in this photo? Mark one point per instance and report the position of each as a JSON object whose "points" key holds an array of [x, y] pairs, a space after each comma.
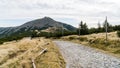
{"points": [[79, 56]]}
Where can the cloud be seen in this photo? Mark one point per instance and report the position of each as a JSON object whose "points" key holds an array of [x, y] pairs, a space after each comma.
{"points": [[90, 11]]}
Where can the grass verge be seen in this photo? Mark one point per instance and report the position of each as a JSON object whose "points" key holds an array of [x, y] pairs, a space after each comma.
{"points": [[112, 46], [19, 54]]}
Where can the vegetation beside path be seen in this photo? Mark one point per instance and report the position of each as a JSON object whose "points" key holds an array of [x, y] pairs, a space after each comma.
{"points": [[18, 54], [98, 41]]}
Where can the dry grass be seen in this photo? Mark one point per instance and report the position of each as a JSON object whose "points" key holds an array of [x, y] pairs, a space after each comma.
{"points": [[111, 36], [98, 41], [51, 59], [19, 54]]}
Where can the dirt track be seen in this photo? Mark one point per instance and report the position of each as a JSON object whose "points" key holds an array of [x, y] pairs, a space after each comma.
{"points": [[79, 56]]}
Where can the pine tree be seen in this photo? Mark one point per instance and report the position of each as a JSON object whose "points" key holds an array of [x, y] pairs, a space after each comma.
{"points": [[80, 27], [99, 28], [83, 28]]}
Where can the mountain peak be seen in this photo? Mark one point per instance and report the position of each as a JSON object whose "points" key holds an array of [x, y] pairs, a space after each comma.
{"points": [[38, 24], [47, 18]]}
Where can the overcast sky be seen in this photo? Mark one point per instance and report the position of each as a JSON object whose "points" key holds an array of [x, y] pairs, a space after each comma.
{"points": [[17, 12]]}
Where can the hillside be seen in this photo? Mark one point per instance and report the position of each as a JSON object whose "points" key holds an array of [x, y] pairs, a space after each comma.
{"points": [[38, 24]]}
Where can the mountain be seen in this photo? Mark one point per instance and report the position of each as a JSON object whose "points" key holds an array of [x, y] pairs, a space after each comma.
{"points": [[45, 23]]}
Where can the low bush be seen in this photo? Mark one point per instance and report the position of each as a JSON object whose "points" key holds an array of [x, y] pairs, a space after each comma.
{"points": [[117, 52], [99, 46], [118, 33], [97, 41], [71, 38], [82, 38], [1, 42]]}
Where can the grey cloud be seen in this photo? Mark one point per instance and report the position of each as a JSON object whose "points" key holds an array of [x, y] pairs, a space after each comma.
{"points": [[93, 9]]}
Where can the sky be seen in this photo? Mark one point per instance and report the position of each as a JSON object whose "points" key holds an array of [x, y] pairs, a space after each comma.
{"points": [[17, 12]]}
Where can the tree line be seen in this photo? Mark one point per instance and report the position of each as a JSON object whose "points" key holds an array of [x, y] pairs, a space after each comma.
{"points": [[81, 30]]}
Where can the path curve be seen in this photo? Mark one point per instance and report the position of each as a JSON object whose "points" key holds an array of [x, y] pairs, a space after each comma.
{"points": [[79, 56]]}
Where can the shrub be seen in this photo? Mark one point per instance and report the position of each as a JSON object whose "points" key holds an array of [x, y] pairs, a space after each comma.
{"points": [[117, 52], [99, 46], [1, 42], [118, 33], [71, 38], [82, 38], [98, 41]]}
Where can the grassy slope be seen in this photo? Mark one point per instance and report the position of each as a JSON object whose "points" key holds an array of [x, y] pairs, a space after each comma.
{"points": [[98, 41], [18, 54]]}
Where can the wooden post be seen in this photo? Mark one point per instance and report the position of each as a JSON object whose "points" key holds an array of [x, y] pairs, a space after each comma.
{"points": [[62, 31], [33, 63], [42, 51], [106, 28], [79, 30]]}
